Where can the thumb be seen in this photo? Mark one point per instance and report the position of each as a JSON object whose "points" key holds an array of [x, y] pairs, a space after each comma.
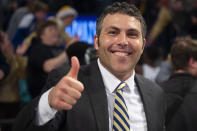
{"points": [[74, 67]]}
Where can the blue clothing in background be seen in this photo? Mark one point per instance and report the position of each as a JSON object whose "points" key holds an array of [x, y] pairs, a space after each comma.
{"points": [[25, 28]]}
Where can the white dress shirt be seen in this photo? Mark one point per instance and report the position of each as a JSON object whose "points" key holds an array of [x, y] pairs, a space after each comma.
{"points": [[130, 95]]}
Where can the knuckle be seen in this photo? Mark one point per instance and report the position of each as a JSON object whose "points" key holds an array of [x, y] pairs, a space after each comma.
{"points": [[74, 102], [82, 87], [58, 94], [57, 102], [63, 89], [70, 107], [66, 79], [78, 95]]}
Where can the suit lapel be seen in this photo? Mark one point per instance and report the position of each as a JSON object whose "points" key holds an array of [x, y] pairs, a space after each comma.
{"points": [[98, 98], [147, 99]]}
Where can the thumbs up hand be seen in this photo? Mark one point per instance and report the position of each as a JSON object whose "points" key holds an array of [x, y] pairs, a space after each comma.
{"points": [[68, 90], [74, 68]]}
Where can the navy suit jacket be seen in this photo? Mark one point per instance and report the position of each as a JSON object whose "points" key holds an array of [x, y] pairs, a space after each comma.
{"points": [[91, 111]]}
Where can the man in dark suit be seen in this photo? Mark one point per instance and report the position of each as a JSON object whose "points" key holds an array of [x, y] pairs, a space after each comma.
{"points": [[83, 99], [181, 87]]}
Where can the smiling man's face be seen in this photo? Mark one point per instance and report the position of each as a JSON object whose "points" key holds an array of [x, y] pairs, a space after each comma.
{"points": [[120, 44]]}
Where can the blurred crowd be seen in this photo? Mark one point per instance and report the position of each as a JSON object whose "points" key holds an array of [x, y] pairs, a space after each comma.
{"points": [[33, 42]]}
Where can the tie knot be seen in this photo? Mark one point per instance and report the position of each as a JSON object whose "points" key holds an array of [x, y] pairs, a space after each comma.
{"points": [[121, 86]]}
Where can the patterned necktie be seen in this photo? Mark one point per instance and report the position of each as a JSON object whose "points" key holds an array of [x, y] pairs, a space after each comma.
{"points": [[121, 118]]}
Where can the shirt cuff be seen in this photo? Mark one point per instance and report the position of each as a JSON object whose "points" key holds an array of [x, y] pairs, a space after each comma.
{"points": [[44, 112]]}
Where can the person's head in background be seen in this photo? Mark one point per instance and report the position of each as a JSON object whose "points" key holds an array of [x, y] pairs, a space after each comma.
{"points": [[78, 49], [184, 56], [39, 9], [120, 38], [193, 28], [151, 55], [65, 16], [47, 32]]}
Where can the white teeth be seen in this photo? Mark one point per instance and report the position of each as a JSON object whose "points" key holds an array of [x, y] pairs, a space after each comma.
{"points": [[121, 54]]}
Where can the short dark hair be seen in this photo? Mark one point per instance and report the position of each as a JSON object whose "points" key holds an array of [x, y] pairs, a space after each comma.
{"points": [[41, 26], [182, 51], [152, 52], [122, 8]]}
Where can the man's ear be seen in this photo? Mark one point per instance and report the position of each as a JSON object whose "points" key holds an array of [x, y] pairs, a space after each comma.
{"points": [[144, 44], [96, 42]]}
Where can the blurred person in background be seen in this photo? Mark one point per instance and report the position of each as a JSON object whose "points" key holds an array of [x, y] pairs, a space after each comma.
{"points": [[172, 22], [10, 91], [7, 8], [45, 55], [166, 70], [193, 26], [4, 67], [78, 49], [28, 22], [150, 66], [17, 17], [181, 87], [64, 18]]}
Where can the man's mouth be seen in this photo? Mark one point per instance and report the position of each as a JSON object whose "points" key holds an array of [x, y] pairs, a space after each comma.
{"points": [[121, 53]]}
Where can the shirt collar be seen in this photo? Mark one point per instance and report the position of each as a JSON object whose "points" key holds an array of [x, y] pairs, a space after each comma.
{"points": [[111, 82]]}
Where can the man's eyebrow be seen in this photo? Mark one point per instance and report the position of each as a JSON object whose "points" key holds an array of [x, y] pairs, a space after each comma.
{"points": [[133, 30], [112, 27], [116, 28]]}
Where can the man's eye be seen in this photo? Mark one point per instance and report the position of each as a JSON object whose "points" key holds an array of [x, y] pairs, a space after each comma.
{"points": [[132, 34], [112, 32]]}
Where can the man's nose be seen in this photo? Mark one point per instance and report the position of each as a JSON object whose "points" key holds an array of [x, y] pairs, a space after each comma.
{"points": [[123, 38]]}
